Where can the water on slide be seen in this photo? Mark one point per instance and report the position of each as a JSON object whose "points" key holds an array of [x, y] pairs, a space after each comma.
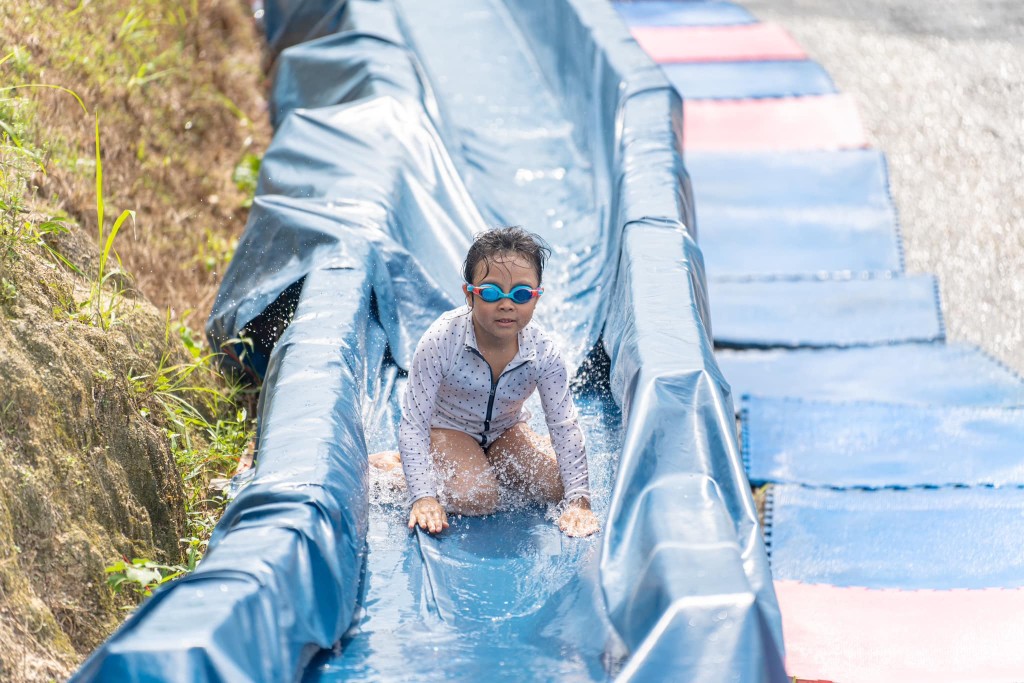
{"points": [[505, 597]]}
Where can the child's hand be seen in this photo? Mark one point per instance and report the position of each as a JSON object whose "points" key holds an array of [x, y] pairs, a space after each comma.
{"points": [[578, 519], [429, 514]]}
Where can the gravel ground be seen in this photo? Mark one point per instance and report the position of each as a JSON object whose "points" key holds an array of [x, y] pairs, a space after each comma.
{"points": [[940, 87]]}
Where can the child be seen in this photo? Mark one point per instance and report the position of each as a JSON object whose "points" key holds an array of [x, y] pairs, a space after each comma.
{"points": [[463, 408]]}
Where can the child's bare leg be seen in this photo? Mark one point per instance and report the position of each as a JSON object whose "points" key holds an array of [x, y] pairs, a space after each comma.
{"points": [[388, 461], [524, 459], [386, 473], [470, 485]]}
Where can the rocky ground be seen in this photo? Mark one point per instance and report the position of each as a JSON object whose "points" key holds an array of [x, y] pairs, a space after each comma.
{"points": [[940, 87]]}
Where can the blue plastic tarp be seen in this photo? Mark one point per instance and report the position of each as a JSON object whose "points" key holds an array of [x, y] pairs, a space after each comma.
{"points": [[503, 600], [749, 80], [243, 615], [290, 22], [366, 57], [909, 539], [871, 444], [826, 313]]}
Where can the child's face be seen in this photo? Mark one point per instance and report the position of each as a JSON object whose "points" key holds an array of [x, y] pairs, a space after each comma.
{"points": [[501, 320]]}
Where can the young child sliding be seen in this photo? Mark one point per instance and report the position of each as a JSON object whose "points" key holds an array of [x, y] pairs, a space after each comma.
{"points": [[463, 422]]}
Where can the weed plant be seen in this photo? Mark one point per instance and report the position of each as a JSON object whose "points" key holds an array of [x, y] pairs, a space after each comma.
{"points": [[208, 430]]}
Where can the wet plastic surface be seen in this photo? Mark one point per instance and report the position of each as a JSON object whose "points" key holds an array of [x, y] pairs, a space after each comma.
{"points": [[826, 313], [691, 13], [880, 444], [913, 538], [503, 598], [732, 80], [923, 374], [366, 205]]}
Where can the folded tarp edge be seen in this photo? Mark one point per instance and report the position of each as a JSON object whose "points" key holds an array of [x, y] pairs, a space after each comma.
{"points": [[657, 328]]}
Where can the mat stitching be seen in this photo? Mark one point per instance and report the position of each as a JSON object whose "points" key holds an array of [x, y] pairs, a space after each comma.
{"points": [[897, 487], [938, 308], [754, 398], [744, 435], [836, 346], [897, 225], [769, 520], [817, 276], [999, 363]]}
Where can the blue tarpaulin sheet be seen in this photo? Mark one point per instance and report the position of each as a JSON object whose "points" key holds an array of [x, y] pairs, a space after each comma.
{"points": [[826, 313], [873, 444], [924, 374], [749, 80], [367, 199], [795, 213], [689, 13], [909, 539], [487, 599]]}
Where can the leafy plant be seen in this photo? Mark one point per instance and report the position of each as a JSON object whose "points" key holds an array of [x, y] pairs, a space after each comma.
{"points": [[142, 576], [246, 175]]}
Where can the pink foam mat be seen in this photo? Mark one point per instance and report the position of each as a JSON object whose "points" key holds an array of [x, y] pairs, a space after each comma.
{"points": [[760, 42], [824, 122], [861, 635]]}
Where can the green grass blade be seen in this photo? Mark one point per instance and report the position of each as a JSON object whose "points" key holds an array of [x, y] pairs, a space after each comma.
{"points": [[99, 190], [48, 85], [112, 236]]}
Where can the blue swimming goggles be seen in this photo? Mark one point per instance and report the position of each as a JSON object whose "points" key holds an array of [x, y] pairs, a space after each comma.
{"points": [[491, 293]]}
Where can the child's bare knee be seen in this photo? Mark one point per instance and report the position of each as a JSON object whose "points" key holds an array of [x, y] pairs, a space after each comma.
{"points": [[478, 497]]}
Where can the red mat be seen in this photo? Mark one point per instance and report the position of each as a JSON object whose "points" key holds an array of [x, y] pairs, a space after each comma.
{"points": [[825, 122], [761, 42], [861, 635]]}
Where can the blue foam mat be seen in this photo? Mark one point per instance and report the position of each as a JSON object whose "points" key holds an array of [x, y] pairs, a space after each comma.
{"points": [[690, 13], [749, 80], [851, 179], [874, 444], [825, 313], [925, 374], [795, 213], [909, 539], [743, 243]]}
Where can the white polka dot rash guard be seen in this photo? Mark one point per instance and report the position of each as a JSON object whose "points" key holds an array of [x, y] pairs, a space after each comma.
{"points": [[450, 387]]}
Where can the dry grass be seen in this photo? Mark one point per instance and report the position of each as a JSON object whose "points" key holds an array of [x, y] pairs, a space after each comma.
{"points": [[178, 91]]}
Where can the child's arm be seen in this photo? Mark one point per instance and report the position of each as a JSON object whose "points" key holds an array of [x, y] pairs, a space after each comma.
{"points": [[425, 377], [577, 519]]}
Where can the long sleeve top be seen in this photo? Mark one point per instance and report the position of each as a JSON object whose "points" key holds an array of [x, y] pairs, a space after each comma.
{"points": [[450, 387]]}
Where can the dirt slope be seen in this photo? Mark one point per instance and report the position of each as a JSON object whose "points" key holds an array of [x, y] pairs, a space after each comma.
{"points": [[88, 474]]}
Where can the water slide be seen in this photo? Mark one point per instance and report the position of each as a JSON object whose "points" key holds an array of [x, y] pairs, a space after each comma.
{"points": [[402, 128]]}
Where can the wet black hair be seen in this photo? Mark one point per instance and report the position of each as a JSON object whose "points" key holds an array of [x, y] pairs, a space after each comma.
{"points": [[510, 240]]}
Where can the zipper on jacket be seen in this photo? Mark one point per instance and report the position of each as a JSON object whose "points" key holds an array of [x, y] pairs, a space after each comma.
{"points": [[490, 396], [490, 407]]}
